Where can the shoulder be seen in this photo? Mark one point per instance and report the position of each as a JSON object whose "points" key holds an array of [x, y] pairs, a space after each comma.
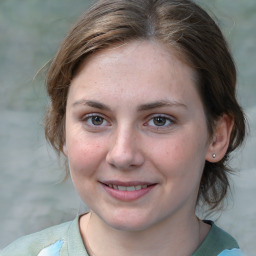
{"points": [[221, 238], [52, 238], [218, 242]]}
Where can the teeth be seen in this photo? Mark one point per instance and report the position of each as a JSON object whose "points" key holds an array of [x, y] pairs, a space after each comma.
{"points": [[127, 188], [122, 188], [131, 188]]}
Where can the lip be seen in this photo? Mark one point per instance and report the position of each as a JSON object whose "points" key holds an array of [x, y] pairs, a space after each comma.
{"points": [[126, 183], [124, 195]]}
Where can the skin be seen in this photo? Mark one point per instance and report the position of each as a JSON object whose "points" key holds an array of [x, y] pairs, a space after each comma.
{"points": [[150, 127]]}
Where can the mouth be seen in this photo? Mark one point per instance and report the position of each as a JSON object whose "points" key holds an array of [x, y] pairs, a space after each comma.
{"points": [[127, 188], [127, 191]]}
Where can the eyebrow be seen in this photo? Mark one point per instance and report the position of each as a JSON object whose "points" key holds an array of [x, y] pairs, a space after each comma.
{"points": [[143, 107], [90, 103], [160, 104]]}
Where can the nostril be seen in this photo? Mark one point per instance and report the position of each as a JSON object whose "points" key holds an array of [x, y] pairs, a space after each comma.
{"points": [[120, 159], [125, 159], [124, 153]]}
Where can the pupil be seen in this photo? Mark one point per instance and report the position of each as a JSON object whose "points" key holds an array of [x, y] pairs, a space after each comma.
{"points": [[97, 120], [159, 121]]}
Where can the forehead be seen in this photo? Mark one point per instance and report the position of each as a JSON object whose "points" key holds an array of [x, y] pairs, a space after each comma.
{"points": [[147, 68], [154, 50]]}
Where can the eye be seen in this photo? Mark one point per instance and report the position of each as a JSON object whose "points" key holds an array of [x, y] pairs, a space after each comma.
{"points": [[94, 120], [160, 121], [97, 120]]}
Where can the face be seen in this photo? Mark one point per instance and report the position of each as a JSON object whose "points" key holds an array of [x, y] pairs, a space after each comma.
{"points": [[136, 136]]}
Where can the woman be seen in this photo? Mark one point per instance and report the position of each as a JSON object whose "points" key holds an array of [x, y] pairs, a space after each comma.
{"points": [[143, 107]]}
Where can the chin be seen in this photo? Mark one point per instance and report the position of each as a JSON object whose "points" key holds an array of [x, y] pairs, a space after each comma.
{"points": [[132, 222], [128, 226]]}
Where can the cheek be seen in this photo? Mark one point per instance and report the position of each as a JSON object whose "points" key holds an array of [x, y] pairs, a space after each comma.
{"points": [[180, 157], [84, 156]]}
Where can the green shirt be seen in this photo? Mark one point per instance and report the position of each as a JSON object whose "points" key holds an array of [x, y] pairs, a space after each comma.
{"points": [[65, 239]]}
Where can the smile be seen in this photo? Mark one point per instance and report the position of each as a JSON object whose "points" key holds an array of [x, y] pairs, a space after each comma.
{"points": [[127, 188], [127, 191]]}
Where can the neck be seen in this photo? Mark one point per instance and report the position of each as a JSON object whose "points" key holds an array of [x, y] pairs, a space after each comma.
{"points": [[181, 238]]}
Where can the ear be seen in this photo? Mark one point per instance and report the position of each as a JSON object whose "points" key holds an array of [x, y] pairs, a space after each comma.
{"points": [[220, 140]]}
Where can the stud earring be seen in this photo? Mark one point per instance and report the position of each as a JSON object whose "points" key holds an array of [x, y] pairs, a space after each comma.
{"points": [[213, 155]]}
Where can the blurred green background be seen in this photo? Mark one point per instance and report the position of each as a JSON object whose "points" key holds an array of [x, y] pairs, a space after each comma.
{"points": [[31, 196]]}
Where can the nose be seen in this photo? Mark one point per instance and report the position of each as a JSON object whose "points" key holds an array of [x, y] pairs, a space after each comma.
{"points": [[124, 153]]}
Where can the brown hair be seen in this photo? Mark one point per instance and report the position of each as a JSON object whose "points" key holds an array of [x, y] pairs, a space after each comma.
{"points": [[180, 24]]}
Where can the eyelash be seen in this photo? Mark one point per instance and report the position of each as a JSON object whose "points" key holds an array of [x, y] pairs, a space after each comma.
{"points": [[88, 119], [166, 118]]}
